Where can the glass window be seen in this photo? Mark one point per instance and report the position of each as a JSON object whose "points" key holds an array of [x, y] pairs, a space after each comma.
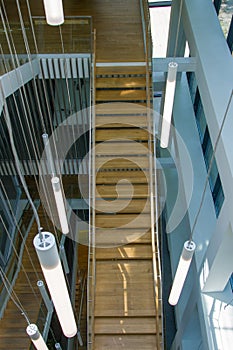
{"points": [[207, 148]]}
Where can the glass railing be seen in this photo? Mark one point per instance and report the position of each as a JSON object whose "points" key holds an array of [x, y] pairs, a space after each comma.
{"points": [[20, 44], [73, 36]]}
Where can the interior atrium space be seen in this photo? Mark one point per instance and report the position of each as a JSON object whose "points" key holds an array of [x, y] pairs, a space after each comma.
{"points": [[116, 168]]}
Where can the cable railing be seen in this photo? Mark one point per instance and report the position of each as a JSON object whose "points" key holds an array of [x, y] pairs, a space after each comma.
{"points": [[91, 248], [152, 171], [14, 263]]}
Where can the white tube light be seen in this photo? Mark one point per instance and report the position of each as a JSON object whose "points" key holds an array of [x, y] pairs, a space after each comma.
{"points": [[168, 104], [48, 152], [54, 12], [36, 338], [181, 272], [51, 266], [60, 204]]}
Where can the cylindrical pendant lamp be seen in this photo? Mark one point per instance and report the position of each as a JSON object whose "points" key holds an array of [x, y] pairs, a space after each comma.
{"points": [[168, 104], [48, 152], [60, 204], [36, 338], [54, 12], [51, 266], [182, 271]]}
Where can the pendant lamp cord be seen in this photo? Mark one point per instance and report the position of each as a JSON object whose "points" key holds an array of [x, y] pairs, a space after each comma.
{"points": [[18, 166], [210, 166]]}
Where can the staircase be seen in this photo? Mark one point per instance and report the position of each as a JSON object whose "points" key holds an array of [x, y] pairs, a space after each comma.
{"points": [[126, 311]]}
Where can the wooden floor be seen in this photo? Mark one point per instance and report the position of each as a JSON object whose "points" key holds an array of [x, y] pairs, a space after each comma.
{"points": [[117, 24]]}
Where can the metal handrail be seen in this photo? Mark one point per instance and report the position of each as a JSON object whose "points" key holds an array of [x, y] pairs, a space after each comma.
{"points": [[152, 167], [91, 248]]}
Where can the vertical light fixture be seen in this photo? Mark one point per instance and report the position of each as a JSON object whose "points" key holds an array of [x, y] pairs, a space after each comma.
{"points": [[181, 272], [49, 156], [60, 204], [168, 104], [51, 266], [36, 338], [54, 12]]}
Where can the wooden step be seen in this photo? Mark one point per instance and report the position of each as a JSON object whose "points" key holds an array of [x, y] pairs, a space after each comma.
{"points": [[125, 325], [115, 237], [122, 162], [121, 95], [121, 69], [130, 251], [121, 148], [129, 342], [121, 121], [123, 221], [122, 206], [128, 270], [120, 82], [113, 177], [123, 190], [135, 134], [120, 108]]}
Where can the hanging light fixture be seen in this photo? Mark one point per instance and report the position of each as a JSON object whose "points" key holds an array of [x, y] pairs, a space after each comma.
{"points": [[49, 156], [168, 104], [182, 271], [60, 204], [54, 12], [36, 338], [51, 266]]}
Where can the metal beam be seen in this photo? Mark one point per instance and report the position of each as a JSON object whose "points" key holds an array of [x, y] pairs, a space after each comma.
{"points": [[185, 64], [159, 4], [230, 36], [13, 80]]}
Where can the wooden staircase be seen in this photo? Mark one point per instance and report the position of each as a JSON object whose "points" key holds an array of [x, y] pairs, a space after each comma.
{"points": [[126, 312]]}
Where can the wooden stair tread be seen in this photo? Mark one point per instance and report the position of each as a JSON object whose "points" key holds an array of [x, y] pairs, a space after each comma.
{"points": [[122, 206], [123, 82], [121, 147], [123, 221], [129, 342], [120, 108], [121, 121], [121, 95], [121, 69], [130, 251], [125, 325], [118, 267], [122, 190], [134, 134], [113, 177], [129, 162], [113, 237]]}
